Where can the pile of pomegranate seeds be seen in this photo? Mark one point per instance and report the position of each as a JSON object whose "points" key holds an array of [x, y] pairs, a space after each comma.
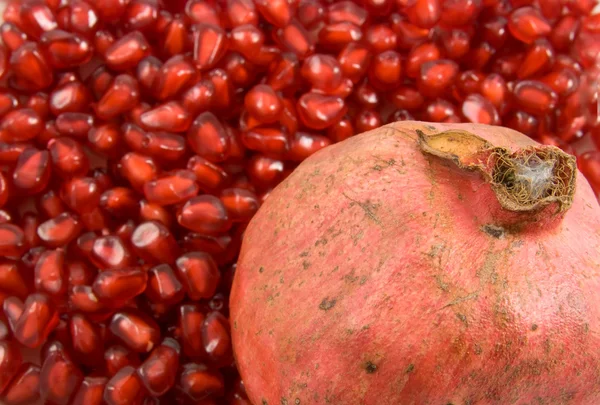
{"points": [[139, 137]]}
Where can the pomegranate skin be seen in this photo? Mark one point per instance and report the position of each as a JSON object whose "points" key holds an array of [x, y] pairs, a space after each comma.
{"points": [[385, 279]]}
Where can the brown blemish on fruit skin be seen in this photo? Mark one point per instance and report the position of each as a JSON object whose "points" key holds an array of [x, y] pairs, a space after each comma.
{"points": [[327, 304], [494, 231], [370, 367]]}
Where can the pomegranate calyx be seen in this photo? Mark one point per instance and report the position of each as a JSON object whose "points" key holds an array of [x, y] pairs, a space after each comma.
{"points": [[526, 180]]}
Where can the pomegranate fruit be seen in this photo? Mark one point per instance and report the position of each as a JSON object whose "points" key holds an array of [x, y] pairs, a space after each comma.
{"points": [[139, 137], [423, 264]]}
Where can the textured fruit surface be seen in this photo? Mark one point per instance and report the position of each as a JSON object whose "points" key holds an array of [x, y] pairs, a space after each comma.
{"points": [[402, 268]]}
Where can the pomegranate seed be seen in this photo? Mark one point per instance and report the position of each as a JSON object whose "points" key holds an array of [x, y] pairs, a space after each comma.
{"points": [[337, 35], [197, 382], [158, 372], [420, 54], [121, 96], [354, 61], [170, 116], [247, 40], [209, 175], [90, 391], [8, 102], [478, 109], [408, 34], [284, 73], [268, 140], [24, 387], [305, 144], [86, 338], [32, 172], [202, 11], [137, 169], [527, 24], [437, 76], [65, 50], [174, 75], [456, 44], [116, 287], [198, 98], [199, 273], [539, 57], [175, 40], [110, 252], [295, 38], [11, 280], [322, 72], [522, 122], [164, 286], [135, 329], [10, 361], [367, 120], [68, 157], [318, 111], [241, 12], [30, 66], [204, 214], [265, 171], [70, 97], [534, 97], [564, 32], [79, 272], [155, 212], [36, 18], [38, 319], [154, 243], [12, 36], [74, 124], [385, 70], [141, 15], [172, 188], [262, 102], [241, 204], [190, 321], [341, 130], [60, 378], [216, 338], [117, 357], [20, 125], [589, 164], [210, 45], [124, 388], [126, 52], [277, 12], [425, 13], [347, 11], [50, 273], [59, 230]]}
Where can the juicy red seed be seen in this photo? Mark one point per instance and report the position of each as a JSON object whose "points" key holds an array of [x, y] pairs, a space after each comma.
{"points": [[305, 144], [527, 24], [425, 13], [29, 65], [91, 391], [154, 243], [70, 97], [10, 361], [367, 120], [138, 169], [68, 157], [172, 188], [241, 12], [318, 111], [21, 125], [204, 214], [74, 124], [385, 70], [346, 11], [210, 45], [12, 36], [247, 40], [174, 75], [159, 371], [120, 96], [136, 330], [479, 110], [322, 72], [11, 279], [263, 103], [198, 381], [437, 76], [126, 52], [86, 338], [50, 277], [59, 230], [60, 377], [38, 319], [24, 387], [199, 274], [418, 56], [32, 172], [268, 140], [164, 285], [170, 117], [534, 97], [118, 286], [65, 50], [124, 388], [116, 357], [295, 38], [240, 203]]}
